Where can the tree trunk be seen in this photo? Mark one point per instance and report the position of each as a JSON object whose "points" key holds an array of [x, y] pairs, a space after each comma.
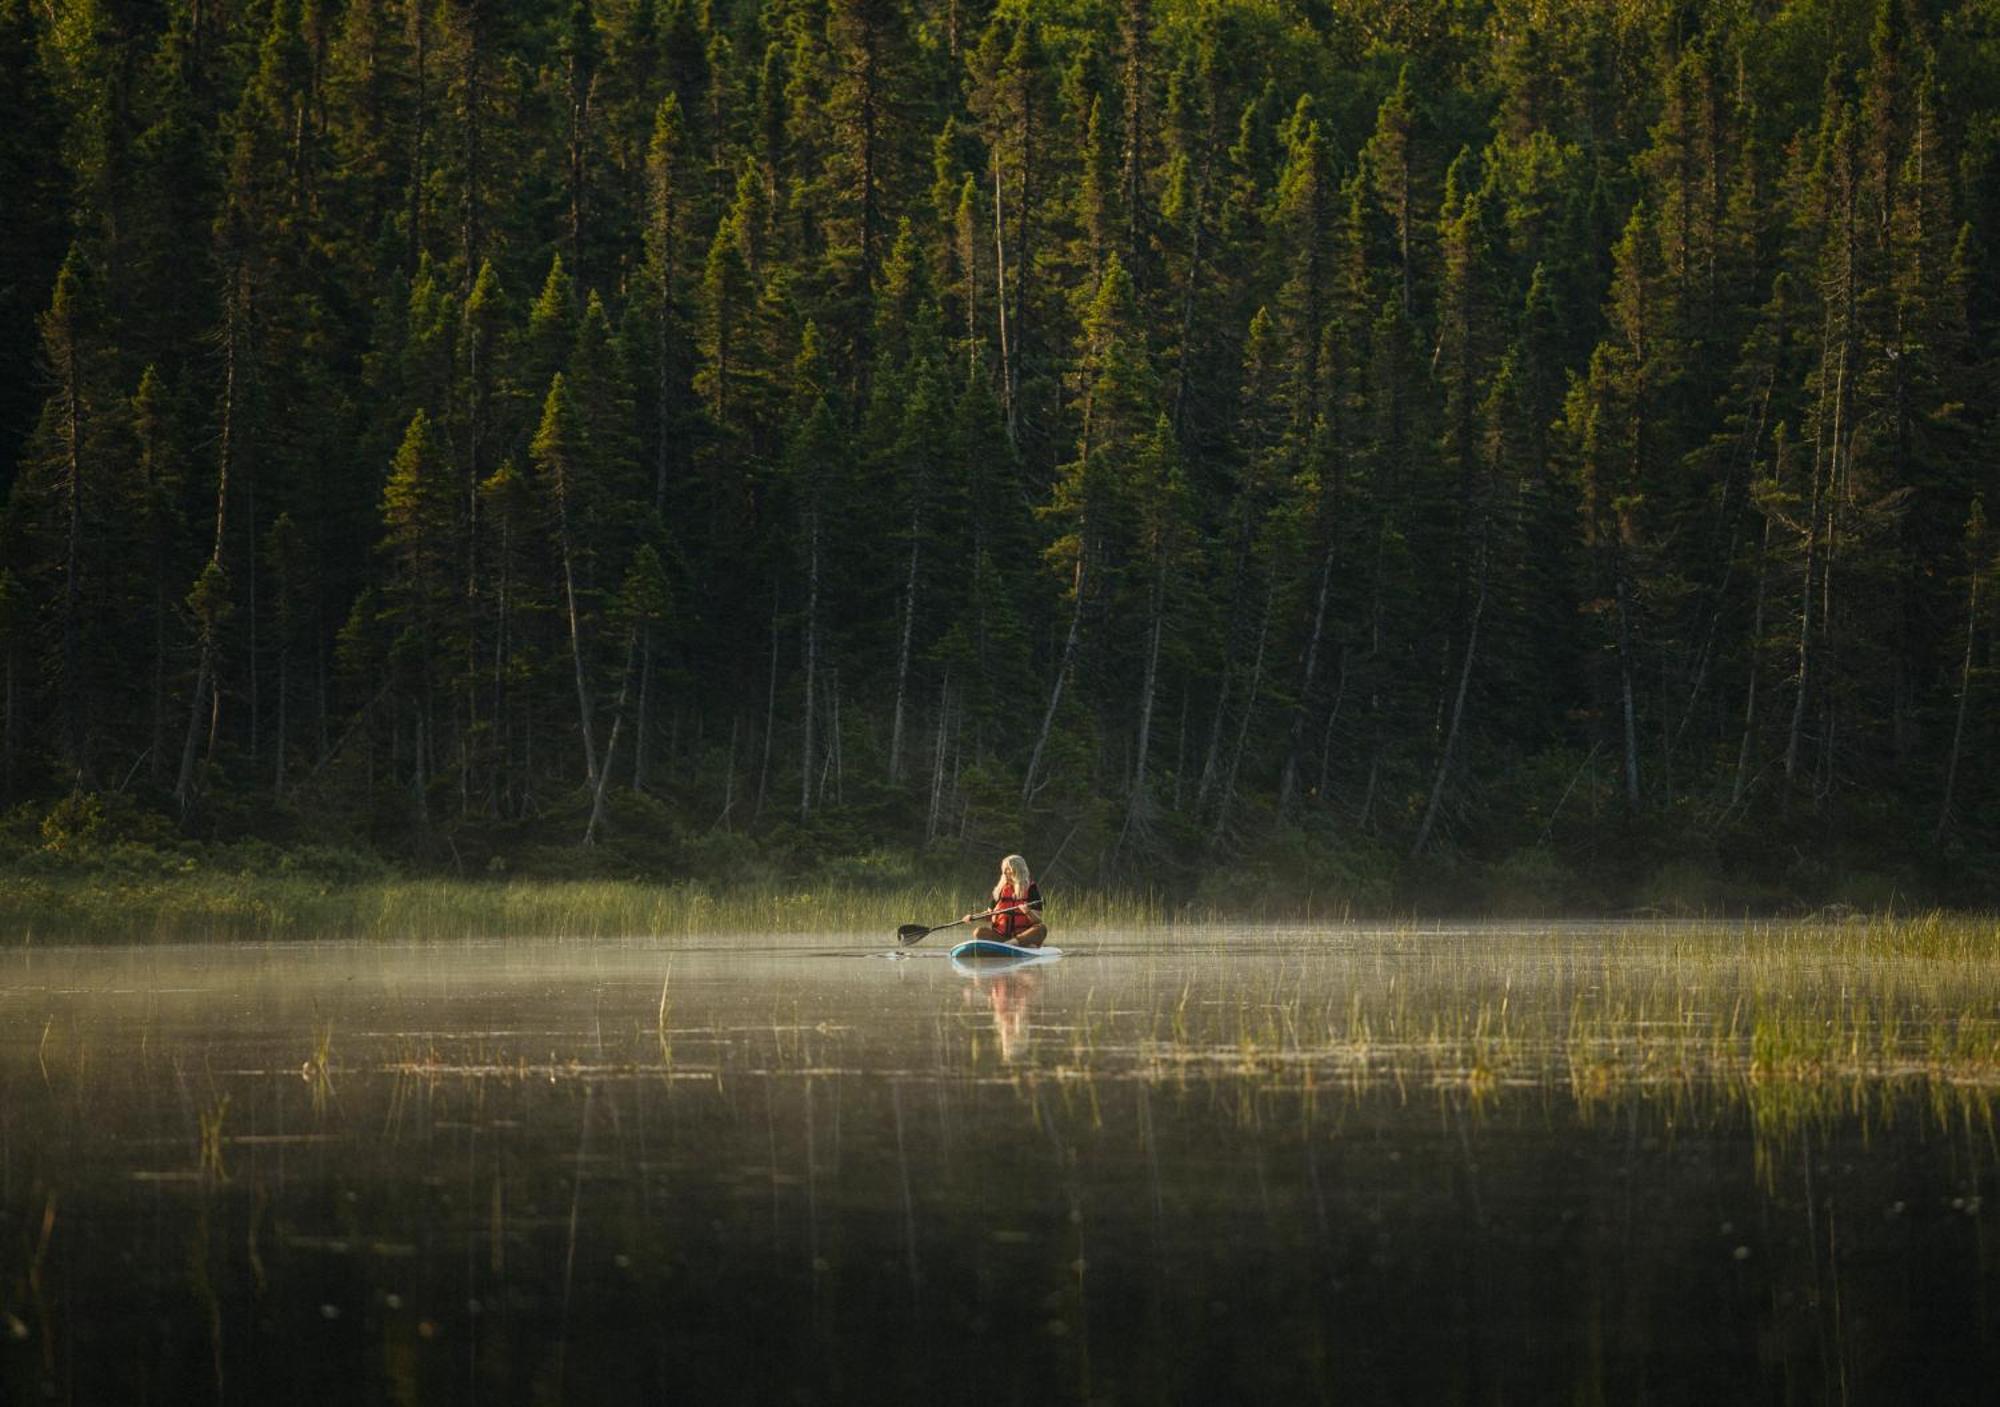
{"points": [[1138, 803], [903, 648], [420, 129], [933, 821], [471, 234], [1964, 696], [576, 653], [1744, 753], [248, 472], [729, 775], [1149, 688], [1627, 705], [72, 435], [233, 313], [1228, 794], [770, 709], [474, 465], [1211, 757], [1000, 302], [1056, 691], [1807, 618], [1197, 228], [500, 786], [1288, 781], [611, 742], [641, 714], [812, 661], [1457, 716], [156, 768], [278, 777], [419, 778], [579, 110], [870, 195]]}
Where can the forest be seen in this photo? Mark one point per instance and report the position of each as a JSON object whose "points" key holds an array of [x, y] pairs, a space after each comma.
{"points": [[1466, 453]]}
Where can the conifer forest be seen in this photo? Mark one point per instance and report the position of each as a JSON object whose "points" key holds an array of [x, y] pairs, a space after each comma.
{"points": [[1373, 449]]}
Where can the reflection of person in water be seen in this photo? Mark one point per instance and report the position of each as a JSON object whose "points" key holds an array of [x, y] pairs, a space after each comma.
{"points": [[1017, 908], [1009, 995]]}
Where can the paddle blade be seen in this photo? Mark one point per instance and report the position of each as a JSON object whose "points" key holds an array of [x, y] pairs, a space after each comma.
{"points": [[910, 932]]}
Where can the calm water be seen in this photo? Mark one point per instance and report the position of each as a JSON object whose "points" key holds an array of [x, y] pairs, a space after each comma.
{"points": [[1221, 1166]]}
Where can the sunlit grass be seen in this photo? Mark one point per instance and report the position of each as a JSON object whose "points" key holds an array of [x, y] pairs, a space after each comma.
{"points": [[201, 907]]}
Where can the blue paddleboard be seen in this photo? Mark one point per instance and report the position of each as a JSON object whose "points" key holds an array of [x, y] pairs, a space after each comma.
{"points": [[992, 951]]}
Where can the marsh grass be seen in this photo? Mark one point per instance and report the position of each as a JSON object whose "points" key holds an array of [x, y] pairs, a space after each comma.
{"points": [[205, 906], [1795, 1022]]}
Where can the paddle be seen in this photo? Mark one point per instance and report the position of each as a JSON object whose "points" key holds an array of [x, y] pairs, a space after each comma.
{"points": [[911, 932]]}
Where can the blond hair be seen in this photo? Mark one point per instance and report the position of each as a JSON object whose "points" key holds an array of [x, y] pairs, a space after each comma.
{"points": [[1023, 880]]}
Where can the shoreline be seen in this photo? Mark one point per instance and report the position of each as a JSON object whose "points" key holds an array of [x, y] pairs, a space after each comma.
{"points": [[87, 906]]}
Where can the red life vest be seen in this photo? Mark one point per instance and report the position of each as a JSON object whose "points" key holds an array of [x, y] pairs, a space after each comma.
{"points": [[1015, 914]]}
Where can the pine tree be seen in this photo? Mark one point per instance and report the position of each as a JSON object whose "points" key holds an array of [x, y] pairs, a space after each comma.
{"points": [[31, 219], [65, 451], [560, 457], [1114, 413]]}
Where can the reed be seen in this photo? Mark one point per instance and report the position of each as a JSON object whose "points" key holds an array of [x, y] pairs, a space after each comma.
{"points": [[207, 906]]}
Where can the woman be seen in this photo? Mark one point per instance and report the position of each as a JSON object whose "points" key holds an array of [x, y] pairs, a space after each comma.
{"points": [[1017, 908]]}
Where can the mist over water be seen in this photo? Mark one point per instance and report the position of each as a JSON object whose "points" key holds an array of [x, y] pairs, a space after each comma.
{"points": [[1452, 1164]]}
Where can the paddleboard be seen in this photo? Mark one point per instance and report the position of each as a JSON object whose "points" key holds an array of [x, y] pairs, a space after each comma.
{"points": [[989, 951]]}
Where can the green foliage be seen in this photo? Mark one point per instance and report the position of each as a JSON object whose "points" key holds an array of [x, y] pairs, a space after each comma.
{"points": [[1542, 440]]}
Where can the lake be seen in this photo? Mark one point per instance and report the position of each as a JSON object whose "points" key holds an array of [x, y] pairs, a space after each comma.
{"points": [[1428, 1164]]}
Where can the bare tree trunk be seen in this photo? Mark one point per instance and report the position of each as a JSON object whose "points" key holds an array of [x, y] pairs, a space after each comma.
{"points": [[1228, 795], [476, 434], [419, 776], [770, 709], [611, 742], [233, 314], [836, 761], [72, 434], [1134, 35], [576, 650], [967, 236], [284, 678], [1000, 300], [1964, 696], [729, 776], [499, 785], [1807, 618], [156, 749], [579, 110], [934, 819], [1627, 705], [420, 37], [1138, 804], [1326, 733], [1150, 687], [1457, 716], [252, 674], [903, 648], [1187, 309], [642, 713], [1211, 757], [812, 660], [471, 210], [1056, 690], [1288, 781]]}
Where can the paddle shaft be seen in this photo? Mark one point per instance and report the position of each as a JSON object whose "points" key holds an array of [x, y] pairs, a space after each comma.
{"points": [[911, 933]]}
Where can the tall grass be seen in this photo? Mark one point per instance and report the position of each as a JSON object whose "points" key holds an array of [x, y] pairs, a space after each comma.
{"points": [[204, 906]]}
